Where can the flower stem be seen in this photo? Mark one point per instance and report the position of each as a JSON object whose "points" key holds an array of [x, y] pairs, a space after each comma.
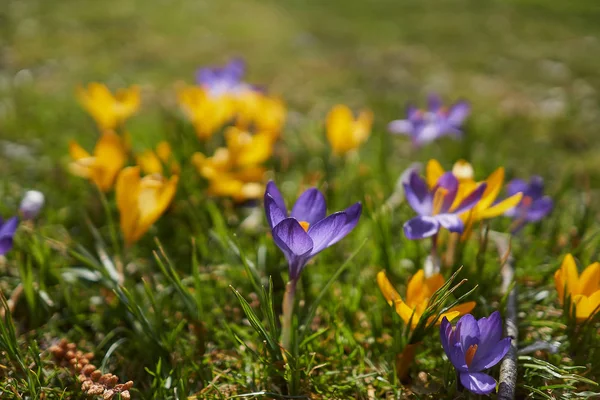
{"points": [[405, 360], [288, 312]]}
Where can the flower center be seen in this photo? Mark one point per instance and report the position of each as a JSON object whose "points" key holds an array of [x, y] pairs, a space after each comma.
{"points": [[305, 225], [438, 200], [470, 354], [527, 200]]}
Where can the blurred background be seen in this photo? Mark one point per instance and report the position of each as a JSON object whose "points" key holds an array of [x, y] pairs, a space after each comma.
{"points": [[530, 67]]}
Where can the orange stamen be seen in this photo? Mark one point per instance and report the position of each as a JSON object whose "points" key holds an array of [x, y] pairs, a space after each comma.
{"points": [[305, 225], [470, 354], [527, 200], [438, 200]]}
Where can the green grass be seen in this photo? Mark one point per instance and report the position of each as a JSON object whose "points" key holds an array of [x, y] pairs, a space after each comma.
{"points": [[531, 70]]}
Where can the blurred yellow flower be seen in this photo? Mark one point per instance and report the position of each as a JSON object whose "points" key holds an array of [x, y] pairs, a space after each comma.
{"points": [[583, 290], [108, 110], [206, 113], [485, 208], [141, 201], [418, 293], [262, 113], [154, 162], [344, 132], [103, 166]]}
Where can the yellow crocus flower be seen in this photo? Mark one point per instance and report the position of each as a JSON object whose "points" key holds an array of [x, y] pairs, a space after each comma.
{"points": [[141, 201], [247, 149], [584, 290], [103, 166], [153, 162], [346, 133], [418, 293], [206, 113], [261, 112], [485, 208], [108, 110]]}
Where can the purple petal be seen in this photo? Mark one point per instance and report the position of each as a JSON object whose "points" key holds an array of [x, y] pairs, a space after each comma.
{"points": [[471, 200], [445, 333], [490, 356], [434, 102], [236, 68], [536, 187], [8, 228], [467, 331], [352, 216], [516, 186], [276, 195], [418, 195], [324, 232], [451, 222], [310, 207], [429, 132], [451, 347], [490, 329], [401, 127], [539, 209], [478, 382], [458, 113], [292, 239], [421, 227], [449, 183], [274, 214]]}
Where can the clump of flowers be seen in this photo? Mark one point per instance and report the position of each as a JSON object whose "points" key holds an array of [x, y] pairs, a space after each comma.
{"points": [[474, 346], [109, 111], [101, 167], [142, 200], [302, 234], [93, 381], [581, 293], [344, 132], [533, 207], [158, 161], [426, 126]]}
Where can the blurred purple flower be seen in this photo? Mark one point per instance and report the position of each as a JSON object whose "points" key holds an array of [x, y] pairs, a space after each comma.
{"points": [[307, 231], [533, 207], [219, 81], [474, 346], [425, 126], [7, 231], [435, 206]]}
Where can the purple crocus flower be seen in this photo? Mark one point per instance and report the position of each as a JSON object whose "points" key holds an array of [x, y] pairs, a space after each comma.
{"points": [[219, 81], [306, 231], [7, 231], [474, 346], [425, 126], [435, 206], [533, 206]]}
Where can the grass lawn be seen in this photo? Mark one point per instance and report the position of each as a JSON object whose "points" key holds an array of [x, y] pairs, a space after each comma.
{"points": [[192, 309]]}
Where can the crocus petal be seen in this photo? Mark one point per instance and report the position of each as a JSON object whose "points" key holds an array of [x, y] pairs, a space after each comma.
{"points": [[418, 195], [458, 113], [452, 222], [515, 186], [471, 200], [490, 329], [589, 281], [428, 133], [467, 331], [310, 206], [451, 346], [478, 382], [585, 306], [414, 289], [535, 189], [421, 227], [463, 308], [487, 357], [127, 192], [539, 209], [566, 278], [353, 214], [324, 232], [7, 232], [434, 102], [501, 207], [433, 172], [445, 332], [273, 212], [401, 127], [274, 192], [494, 184], [388, 291], [292, 239], [408, 314]]}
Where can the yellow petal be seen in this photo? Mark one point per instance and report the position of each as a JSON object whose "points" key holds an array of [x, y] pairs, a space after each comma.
{"points": [[494, 184], [362, 128], [405, 312], [415, 289], [110, 157], [339, 126], [500, 207], [463, 308], [566, 278], [433, 283], [433, 172], [127, 193], [149, 162], [388, 291], [586, 307], [449, 314], [76, 151], [154, 198], [589, 281]]}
